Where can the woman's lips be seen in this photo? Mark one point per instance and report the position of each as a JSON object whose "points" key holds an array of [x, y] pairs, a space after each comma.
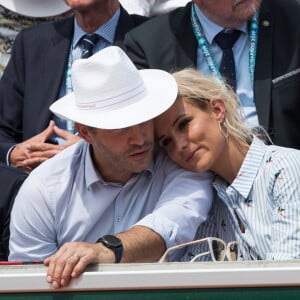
{"points": [[192, 156]]}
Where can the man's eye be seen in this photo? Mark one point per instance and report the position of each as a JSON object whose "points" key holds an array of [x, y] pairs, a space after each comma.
{"points": [[164, 143]]}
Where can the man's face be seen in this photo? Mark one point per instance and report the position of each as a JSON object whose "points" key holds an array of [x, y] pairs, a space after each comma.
{"points": [[122, 153], [229, 13]]}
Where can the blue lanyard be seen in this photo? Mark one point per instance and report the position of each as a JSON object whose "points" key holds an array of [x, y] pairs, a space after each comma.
{"points": [[69, 89], [205, 49]]}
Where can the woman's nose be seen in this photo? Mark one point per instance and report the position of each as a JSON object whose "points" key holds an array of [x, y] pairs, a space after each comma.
{"points": [[181, 142]]}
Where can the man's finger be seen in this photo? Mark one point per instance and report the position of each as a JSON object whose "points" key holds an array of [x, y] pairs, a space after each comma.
{"points": [[71, 263], [67, 136], [42, 147]]}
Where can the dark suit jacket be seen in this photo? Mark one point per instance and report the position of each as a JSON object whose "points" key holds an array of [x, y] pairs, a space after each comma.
{"points": [[33, 77], [10, 181], [167, 42]]}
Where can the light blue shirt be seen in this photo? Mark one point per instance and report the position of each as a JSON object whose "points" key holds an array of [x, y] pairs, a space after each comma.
{"points": [[65, 199], [266, 197], [241, 55]]}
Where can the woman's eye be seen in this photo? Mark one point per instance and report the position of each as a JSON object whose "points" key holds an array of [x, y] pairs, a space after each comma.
{"points": [[182, 124]]}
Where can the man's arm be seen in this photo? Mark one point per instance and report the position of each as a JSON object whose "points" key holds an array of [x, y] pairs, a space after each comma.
{"points": [[182, 205], [135, 51], [32, 152], [140, 244], [32, 226], [20, 95], [11, 100]]}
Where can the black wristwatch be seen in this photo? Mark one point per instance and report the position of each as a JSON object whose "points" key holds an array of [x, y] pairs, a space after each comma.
{"points": [[114, 243]]}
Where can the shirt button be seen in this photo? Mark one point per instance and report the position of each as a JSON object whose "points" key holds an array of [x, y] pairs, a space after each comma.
{"points": [[266, 23], [118, 219]]}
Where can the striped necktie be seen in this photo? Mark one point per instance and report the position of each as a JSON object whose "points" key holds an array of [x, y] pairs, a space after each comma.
{"points": [[88, 42], [226, 40]]}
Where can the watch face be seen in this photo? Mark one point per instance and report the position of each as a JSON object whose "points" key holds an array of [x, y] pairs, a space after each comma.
{"points": [[114, 243], [112, 240]]}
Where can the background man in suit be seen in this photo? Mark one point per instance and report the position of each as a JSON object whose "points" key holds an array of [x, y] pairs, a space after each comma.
{"points": [[14, 18], [267, 55], [38, 73], [10, 181]]}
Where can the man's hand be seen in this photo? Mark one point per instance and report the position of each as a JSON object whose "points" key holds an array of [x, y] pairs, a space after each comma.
{"points": [[71, 260], [140, 244], [32, 152], [69, 138]]}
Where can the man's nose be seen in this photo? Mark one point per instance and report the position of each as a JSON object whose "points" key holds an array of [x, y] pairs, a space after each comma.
{"points": [[137, 135]]}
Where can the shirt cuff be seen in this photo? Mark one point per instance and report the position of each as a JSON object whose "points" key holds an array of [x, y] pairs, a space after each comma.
{"points": [[8, 154], [166, 228]]}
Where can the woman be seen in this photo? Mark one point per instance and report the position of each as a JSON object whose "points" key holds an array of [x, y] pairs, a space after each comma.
{"points": [[257, 186]]}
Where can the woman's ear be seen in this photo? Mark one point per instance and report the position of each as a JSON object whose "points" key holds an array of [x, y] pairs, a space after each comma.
{"points": [[217, 107]]}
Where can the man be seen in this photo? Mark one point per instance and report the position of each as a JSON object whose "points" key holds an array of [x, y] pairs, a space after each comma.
{"points": [[38, 73], [27, 13], [267, 55], [11, 179], [36, 9], [107, 183]]}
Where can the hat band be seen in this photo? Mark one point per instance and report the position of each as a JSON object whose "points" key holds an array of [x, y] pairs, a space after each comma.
{"points": [[115, 102]]}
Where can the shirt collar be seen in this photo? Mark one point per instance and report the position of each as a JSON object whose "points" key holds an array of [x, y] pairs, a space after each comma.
{"points": [[250, 168], [92, 175], [210, 28], [106, 31]]}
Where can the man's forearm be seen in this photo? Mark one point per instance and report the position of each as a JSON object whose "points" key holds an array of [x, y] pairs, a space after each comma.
{"points": [[141, 244]]}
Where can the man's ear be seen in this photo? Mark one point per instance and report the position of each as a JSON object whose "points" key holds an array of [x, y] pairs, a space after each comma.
{"points": [[84, 132], [217, 107]]}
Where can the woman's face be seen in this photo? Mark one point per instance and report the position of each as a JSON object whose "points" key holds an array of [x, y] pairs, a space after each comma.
{"points": [[190, 136]]}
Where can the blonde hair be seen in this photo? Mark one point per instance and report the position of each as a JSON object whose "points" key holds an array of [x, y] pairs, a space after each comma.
{"points": [[199, 90]]}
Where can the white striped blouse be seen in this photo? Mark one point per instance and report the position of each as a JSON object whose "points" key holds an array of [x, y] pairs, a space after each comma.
{"points": [[266, 198]]}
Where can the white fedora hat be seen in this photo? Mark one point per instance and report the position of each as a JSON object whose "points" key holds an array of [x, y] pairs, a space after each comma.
{"points": [[110, 93], [36, 8]]}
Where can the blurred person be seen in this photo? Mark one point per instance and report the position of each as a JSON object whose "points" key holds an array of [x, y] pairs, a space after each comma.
{"points": [[16, 15], [266, 55]]}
